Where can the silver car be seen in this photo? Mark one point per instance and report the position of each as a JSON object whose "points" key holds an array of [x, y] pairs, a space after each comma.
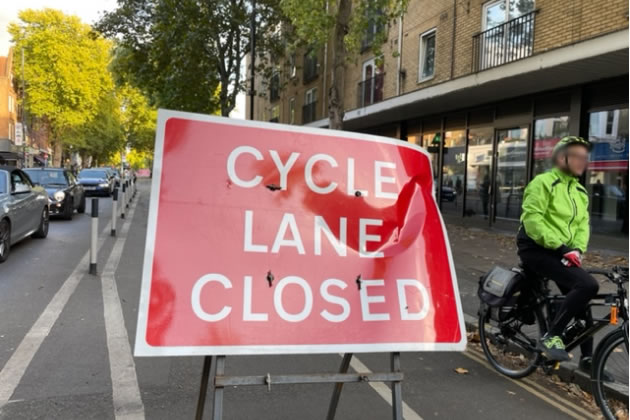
{"points": [[23, 209]]}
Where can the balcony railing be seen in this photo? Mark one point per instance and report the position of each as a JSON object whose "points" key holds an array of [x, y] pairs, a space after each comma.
{"points": [[505, 43], [370, 91], [309, 112]]}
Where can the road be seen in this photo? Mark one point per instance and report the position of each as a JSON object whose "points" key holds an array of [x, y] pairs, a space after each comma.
{"points": [[66, 339]]}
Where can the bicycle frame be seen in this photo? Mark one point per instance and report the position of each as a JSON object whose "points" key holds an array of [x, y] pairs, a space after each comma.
{"points": [[597, 323]]}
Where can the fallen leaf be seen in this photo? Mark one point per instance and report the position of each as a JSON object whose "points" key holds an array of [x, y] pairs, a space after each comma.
{"points": [[511, 393], [461, 371]]}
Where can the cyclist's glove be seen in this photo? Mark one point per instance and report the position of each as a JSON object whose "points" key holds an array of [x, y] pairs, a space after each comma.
{"points": [[573, 258]]}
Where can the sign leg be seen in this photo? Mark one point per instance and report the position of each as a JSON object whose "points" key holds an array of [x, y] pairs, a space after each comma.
{"points": [[332, 409], [217, 401], [396, 389], [203, 387]]}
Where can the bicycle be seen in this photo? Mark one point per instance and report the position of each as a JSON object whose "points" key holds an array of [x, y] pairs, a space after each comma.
{"points": [[509, 338]]}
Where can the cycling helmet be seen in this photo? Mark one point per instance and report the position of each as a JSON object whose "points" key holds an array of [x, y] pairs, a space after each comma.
{"points": [[568, 141]]}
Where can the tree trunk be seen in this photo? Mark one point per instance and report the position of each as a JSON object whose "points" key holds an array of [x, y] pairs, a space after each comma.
{"points": [[336, 94]]}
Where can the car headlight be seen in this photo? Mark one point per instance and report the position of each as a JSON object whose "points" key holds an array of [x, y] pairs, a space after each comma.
{"points": [[103, 184], [59, 195]]}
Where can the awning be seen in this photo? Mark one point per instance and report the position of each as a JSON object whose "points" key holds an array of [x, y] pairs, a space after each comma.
{"points": [[6, 156]]}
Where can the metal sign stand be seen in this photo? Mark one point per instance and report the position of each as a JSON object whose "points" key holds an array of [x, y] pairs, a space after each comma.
{"points": [[220, 381]]}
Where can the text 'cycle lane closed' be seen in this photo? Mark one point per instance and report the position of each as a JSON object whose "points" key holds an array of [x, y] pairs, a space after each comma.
{"points": [[269, 239]]}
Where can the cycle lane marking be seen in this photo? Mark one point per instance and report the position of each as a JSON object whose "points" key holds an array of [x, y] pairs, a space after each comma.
{"points": [[125, 389], [383, 390], [14, 369], [561, 404]]}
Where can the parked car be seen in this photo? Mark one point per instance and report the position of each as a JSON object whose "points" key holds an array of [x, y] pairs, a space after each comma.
{"points": [[23, 209], [64, 192], [96, 181]]}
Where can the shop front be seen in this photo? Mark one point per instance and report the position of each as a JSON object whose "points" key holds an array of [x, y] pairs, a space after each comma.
{"points": [[483, 158]]}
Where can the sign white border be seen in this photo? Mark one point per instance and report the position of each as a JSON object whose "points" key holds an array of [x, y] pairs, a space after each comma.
{"points": [[142, 348]]}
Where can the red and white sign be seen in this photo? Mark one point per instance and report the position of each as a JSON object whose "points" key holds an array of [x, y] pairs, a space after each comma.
{"points": [[273, 239]]}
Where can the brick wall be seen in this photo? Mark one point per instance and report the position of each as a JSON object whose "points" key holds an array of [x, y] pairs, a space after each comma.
{"points": [[558, 23], [564, 22]]}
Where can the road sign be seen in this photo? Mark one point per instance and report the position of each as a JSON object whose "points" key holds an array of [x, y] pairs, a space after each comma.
{"points": [[19, 134], [271, 239]]}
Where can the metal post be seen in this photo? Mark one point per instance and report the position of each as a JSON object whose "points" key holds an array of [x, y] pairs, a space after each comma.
{"points": [[203, 388], [94, 236], [252, 91], [114, 211], [332, 408], [122, 201], [217, 400], [396, 389]]}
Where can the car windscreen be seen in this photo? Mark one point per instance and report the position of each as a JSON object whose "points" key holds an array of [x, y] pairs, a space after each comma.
{"points": [[3, 182], [90, 173], [44, 177]]}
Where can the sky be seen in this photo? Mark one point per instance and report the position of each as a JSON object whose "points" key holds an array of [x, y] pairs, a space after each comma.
{"points": [[88, 10]]}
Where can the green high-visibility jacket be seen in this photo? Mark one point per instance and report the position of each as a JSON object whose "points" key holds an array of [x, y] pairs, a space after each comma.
{"points": [[555, 212]]}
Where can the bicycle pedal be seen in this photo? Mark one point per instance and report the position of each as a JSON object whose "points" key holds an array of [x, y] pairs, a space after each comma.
{"points": [[556, 366]]}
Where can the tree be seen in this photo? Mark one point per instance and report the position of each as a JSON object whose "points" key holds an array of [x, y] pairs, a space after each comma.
{"points": [[180, 52], [346, 24], [65, 71], [138, 119]]}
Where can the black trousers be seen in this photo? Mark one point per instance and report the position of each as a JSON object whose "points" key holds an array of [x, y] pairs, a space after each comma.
{"points": [[575, 283]]}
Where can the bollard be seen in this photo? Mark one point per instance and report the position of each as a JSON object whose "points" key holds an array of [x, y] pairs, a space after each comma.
{"points": [[128, 193], [114, 210], [94, 237], [122, 201]]}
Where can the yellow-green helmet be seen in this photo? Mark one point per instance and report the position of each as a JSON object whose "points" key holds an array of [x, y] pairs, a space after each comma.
{"points": [[568, 141]]}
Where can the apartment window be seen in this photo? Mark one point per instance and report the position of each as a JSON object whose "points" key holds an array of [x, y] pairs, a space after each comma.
{"points": [[292, 66], [310, 66], [374, 27], [427, 56], [11, 131], [10, 103], [371, 86], [274, 87], [310, 106], [292, 111]]}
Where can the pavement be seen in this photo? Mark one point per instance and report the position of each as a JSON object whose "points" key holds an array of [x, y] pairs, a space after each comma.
{"points": [[66, 339]]}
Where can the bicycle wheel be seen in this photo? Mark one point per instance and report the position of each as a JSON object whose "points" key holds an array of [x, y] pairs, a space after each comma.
{"points": [[510, 345], [611, 389]]}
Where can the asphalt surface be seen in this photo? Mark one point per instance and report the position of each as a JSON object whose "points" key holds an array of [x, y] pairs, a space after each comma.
{"points": [[67, 371]]}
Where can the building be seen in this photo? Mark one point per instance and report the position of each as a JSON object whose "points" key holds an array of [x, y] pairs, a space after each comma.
{"points": [[488, 88], [8, 111]]}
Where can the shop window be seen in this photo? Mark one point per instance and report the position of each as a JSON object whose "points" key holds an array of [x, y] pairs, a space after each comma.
{"points": [[431, 142], [607, 174], [479, 172], [547, 133], [453, 169]]}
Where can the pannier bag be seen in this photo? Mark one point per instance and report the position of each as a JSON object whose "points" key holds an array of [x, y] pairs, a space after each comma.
{"points": [[500, 289]]}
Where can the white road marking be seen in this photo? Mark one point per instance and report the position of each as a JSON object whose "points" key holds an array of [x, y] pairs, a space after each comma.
{"points": [[126, 392], [13, 371], [383, 390], [566, 407]]}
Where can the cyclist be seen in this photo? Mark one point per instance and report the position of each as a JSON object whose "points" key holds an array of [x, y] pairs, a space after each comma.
{"points": [[554, 235]]}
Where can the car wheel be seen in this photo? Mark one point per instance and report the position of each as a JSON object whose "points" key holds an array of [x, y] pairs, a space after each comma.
{"points": [[81, 208], [5, 240], [68, 210], [42, 232]]}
